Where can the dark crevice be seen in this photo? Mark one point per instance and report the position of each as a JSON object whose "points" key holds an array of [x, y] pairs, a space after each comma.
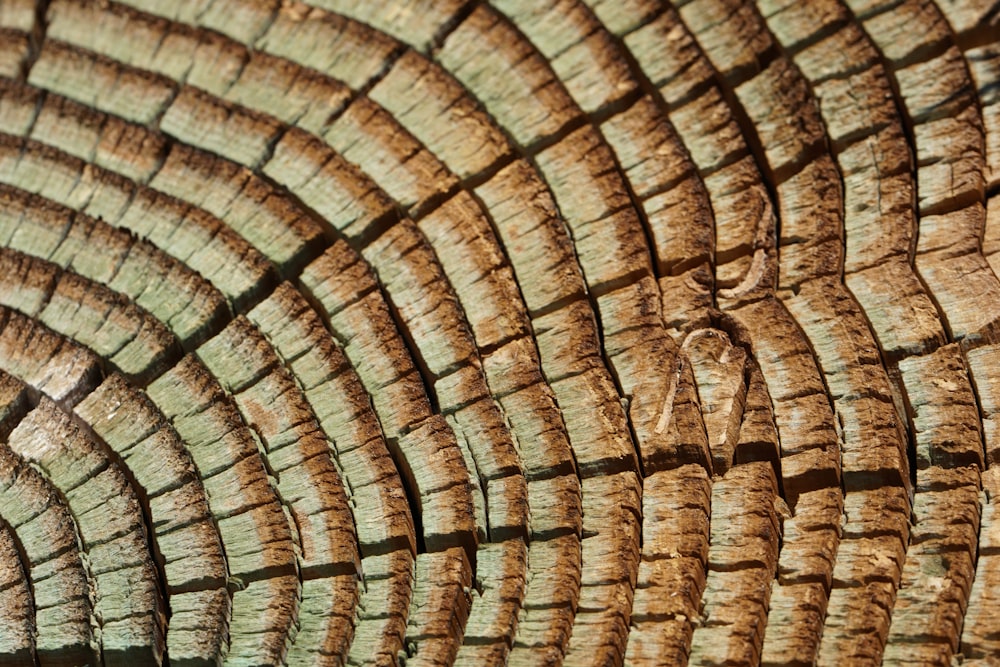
{"points": [[683, 266], [452, 24], [614, 108], [828, 30], [543, 143], [37, 37], [620, 282], [984, 33], [430, 204], [877, 8], [921, 54], [470, 183], [693, 92], [423, 371]]}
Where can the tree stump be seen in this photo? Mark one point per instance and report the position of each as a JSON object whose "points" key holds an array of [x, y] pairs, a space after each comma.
{"points": [[436, 332]]}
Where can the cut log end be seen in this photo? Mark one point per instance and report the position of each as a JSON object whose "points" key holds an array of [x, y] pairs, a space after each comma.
{"points": [[437, 332]]}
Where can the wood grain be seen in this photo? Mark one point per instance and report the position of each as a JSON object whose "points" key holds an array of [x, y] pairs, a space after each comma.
{"points": [[499, 333]]}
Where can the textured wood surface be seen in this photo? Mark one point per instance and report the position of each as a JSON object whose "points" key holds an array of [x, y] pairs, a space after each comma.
{"points": [[432, 332]]}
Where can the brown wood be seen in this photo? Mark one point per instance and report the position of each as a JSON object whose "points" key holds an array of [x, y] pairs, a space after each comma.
{"points": [[574, 332]]}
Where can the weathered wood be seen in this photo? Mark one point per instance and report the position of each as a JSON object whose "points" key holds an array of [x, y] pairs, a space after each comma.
{"points": [[18, 14], [307, 167], [620, 19], [650, 371], [968, 20], [676, 207], [298, 455], [529, 406], [186, 233], [470, 255], [295, 95], [255, 531], [525, 215], [193, 637], [200, 119], [343, 410], [101, 83], [938, 97], [186, 538], [17, 601], [203, 59], [295, 451], [128, 338], [977, 642], [415, 287], [799, 597], [714, 23], [926, 618], [671, 576], [267, 218], [168, 289], [874, 452], [984, 66], [580, 52], [800, 203], [17, 604], [497, 600], [447, 357], [368, 136], [96, 137], [29, 351], [742, 556], [14, 403], [719, 369], [326, 620], [226, 455], [383, 608], [262, 613], [670, 58], [593, 201], [810, 456], [328, 42], [866, 575], [545, 633], [522, 210], [417, 22], [612, 507], [109, 519], [64, 611], [516, 333], [550, 601], [759, 439], [424, 447], [444, 117], [512, 80], [439, 608]]}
